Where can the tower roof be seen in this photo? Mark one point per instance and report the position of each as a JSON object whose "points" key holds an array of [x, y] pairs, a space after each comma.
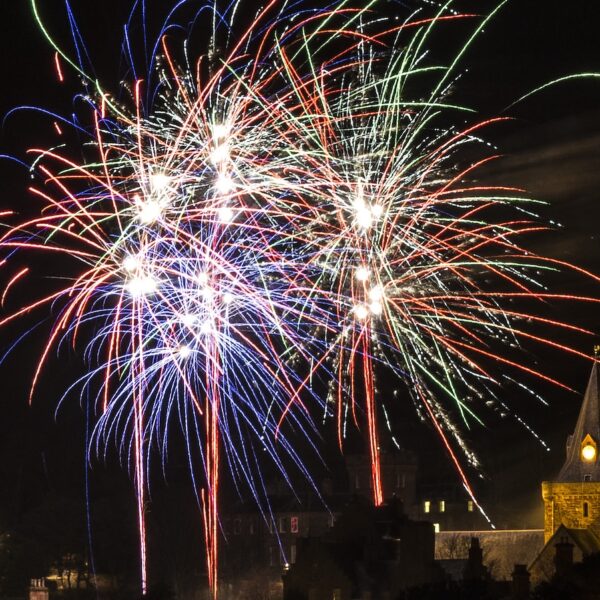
{"points": [[576, 469]]}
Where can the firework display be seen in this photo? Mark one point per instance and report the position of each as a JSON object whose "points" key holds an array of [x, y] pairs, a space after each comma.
{"points": [[289, 206]]}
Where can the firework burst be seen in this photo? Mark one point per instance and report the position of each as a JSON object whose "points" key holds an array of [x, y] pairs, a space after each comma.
{"points": [[288, 207]]}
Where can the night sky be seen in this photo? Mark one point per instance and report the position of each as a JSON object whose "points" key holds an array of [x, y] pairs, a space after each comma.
{"points": [[552, 148]]}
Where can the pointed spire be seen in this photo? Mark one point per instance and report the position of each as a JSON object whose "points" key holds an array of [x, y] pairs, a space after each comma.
{"points": [[578, 466]]}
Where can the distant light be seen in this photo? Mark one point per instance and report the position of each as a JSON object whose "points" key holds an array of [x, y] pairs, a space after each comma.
{"points": [[220, 154], [376, 293], [207, 292], [364, 218], [206, 327], [227, 298], [224, 184], [361, 312], [149, 212], [142, 286], [185, 351], [362, 274], [189, 320], [159, 182], [132, 263], [359, 203], [202, 278], [221, 130], [377, 210], [376, 308], [226, 214]]}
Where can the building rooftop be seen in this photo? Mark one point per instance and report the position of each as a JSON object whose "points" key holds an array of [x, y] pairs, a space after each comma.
{"points": [[502, 548], [587, 430]]}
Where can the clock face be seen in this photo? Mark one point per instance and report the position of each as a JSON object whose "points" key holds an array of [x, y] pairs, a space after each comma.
{"points": [[588, 452]]}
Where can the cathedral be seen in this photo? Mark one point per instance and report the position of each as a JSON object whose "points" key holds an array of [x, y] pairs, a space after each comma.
{"points": [[572, 500]]}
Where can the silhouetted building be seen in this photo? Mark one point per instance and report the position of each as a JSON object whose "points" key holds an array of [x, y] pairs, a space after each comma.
{"points": [[501, 549], [38, 590], [368, 552], [521, 584], [253, 541], [258, 547], [398, 475], [371, 552], [579, 543], [474, 569]]}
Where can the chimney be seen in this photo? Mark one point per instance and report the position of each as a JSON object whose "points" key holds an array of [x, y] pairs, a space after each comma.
{"points": [[563, 559], [474, 569], [520, 586], [38, 590]]}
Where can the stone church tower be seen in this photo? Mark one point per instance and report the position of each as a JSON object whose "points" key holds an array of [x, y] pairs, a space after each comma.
{"points": [[573, 499]]}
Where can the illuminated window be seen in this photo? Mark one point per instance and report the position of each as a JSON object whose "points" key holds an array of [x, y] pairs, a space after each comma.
{"points": [[293, 554], [436, 527], [586, 509], [282, 524], [356, 482], [400, 480], [442, 506], [470, 506], [337, 594], [427, 506], [294, 525]]}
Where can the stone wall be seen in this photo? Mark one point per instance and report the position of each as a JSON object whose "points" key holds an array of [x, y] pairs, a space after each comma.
{"points": [[564, 503]]}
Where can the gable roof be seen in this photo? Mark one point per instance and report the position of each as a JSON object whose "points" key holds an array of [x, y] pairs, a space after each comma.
{"points": [[502, 548], [583, 539]]}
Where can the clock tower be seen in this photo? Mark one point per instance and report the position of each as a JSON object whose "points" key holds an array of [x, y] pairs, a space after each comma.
{"points": [[573, 499]]}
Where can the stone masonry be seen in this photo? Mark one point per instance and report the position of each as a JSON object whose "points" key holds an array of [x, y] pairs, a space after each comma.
{"points": [[569, 503]]}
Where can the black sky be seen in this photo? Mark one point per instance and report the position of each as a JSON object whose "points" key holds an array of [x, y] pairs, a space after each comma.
{"points": [[552, 148]]}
